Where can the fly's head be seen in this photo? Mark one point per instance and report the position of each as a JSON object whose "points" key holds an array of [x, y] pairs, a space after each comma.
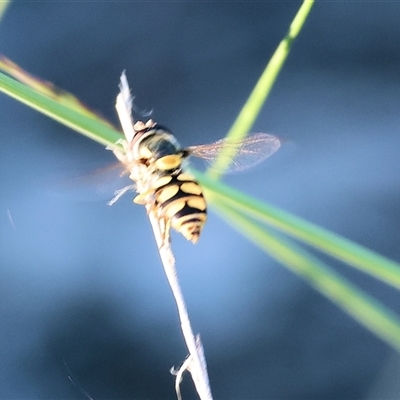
{"points": [[155, 146]]}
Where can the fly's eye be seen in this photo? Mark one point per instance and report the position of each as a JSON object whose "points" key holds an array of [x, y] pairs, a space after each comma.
{"points": [[157, 146]]}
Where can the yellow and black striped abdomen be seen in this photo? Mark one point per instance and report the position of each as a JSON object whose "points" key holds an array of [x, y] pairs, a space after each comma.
{"points": [[179, 199]]}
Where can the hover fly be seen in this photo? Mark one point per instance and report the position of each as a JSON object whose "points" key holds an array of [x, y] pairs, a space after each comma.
{"points": [[156, 163]]}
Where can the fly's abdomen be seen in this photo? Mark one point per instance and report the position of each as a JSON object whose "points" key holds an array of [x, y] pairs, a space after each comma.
{"points": [[179, 199]]}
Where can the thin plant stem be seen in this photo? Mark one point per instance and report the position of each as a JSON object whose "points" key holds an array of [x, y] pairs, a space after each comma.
{"points": [[75, 118], [196, 364], [364, 259], [369, 312], [259, 94], [3, 7]]}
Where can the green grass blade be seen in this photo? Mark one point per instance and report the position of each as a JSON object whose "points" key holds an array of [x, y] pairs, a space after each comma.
{"points": [[373, 315], [349, 252], [46, 88], [79, 121], [3, 7], [258, 96]]}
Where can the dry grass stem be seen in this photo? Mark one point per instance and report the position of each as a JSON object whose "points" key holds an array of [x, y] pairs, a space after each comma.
{"points": [[139, 173]]}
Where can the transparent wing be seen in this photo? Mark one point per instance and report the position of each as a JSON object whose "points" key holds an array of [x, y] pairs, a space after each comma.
{"points": [[97, 185], [246, 153]]}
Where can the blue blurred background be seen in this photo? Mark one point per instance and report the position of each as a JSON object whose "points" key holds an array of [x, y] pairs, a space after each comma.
{"points": [[82, 291]]}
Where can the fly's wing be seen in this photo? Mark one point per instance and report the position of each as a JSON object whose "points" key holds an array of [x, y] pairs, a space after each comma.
{"points": [[245, 154], [97, 185]]}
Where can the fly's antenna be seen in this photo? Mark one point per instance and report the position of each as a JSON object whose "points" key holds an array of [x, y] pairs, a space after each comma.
{"points": [[142, 113]]}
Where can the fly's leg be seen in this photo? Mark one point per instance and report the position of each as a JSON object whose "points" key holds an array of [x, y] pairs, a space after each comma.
{"points": [[165, 232], [163, 224], [141, 199], [145, 198], [119, 193], [118, 152], [164, 243]]}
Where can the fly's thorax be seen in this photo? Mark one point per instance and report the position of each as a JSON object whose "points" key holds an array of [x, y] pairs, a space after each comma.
{"points": [[157, 145]]}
